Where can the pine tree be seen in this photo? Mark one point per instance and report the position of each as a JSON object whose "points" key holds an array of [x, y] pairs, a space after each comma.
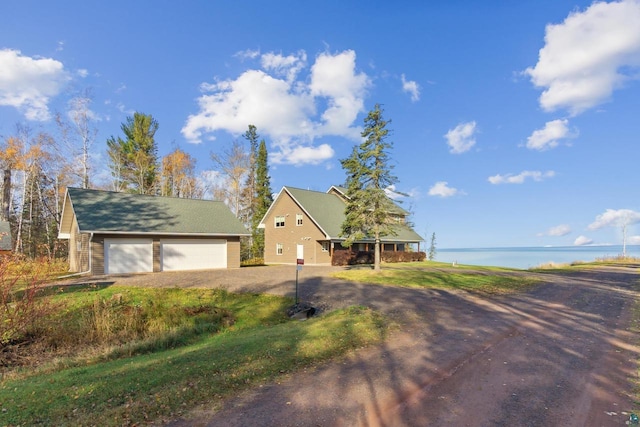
{"points": [[264, 198], [368, 210], [134, 159], [249, 191], [432, 248]]}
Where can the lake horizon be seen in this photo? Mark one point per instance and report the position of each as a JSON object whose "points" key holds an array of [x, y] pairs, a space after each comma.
{"points": [[525, 257]]}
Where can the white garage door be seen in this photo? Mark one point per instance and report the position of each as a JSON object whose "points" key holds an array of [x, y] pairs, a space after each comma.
{"points": [[128, 256], [186, 254]]}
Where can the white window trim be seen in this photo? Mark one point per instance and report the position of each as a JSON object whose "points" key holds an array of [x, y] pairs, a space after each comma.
{"points": [[276, 222], [299, 219], [279, 249], [325, 246]]}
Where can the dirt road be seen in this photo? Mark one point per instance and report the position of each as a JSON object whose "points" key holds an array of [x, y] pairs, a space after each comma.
{"points": [[559, 355]]}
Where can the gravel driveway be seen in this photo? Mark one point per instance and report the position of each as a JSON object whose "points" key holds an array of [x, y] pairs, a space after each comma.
{"points": [[559, 355]]}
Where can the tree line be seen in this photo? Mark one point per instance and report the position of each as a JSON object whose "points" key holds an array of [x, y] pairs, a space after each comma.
{"points": [[38, 166], [37, 169]]}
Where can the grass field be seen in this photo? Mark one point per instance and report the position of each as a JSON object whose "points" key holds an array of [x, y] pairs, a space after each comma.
{"points": [[152, 377], [429, 274]]}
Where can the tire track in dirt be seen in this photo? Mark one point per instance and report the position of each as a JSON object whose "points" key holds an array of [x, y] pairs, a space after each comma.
{"points": [[558, 355]]}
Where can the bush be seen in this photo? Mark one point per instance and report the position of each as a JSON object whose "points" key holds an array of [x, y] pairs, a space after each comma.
{"points": [[22, 306], [403, 256], [348, 257]]}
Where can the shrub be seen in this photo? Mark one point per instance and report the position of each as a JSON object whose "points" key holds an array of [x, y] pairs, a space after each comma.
{"points": [[22, 306], [403, 256], [347, 257]]}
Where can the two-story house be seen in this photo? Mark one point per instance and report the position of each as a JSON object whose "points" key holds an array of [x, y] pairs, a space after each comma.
{"points": [[310, 222]]}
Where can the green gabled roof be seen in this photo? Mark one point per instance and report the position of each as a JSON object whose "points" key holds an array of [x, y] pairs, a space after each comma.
{"points": [[327, 211], [397, 209], [106, 211]]}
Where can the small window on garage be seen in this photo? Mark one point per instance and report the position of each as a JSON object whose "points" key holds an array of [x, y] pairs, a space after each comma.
{"points": [[279, 249], [298, 219], [279, 221]]}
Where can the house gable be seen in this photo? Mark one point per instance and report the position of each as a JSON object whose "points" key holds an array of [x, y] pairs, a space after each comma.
{"points": [[287, 225]]}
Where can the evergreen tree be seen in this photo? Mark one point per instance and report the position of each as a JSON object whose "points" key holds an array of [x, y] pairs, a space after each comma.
{"points": [[249, 191], [432, 248], [263, 200], [368, 168], [134, 160]]}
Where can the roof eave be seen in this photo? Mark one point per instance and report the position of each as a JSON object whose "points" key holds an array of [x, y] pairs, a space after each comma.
{"points": [[163, 233]]}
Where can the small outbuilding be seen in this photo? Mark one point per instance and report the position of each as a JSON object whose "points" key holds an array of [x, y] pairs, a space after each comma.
{"points": [[113, 233], [6, 244]]}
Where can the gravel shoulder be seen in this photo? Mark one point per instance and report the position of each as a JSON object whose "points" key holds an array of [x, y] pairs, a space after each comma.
{"points": [[561, 354]]}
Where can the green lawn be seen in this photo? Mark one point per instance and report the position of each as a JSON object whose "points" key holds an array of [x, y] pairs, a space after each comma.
{"points": [[428, 274], [160, 382]]}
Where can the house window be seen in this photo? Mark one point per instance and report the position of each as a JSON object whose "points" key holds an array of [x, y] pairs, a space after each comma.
{"points": [[279, 221], [298, 219], [279, 249], [325, 246]]}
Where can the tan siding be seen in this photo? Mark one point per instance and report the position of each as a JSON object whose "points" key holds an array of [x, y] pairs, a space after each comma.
{"points": [[97, 255], [84, 252], [233, 252], [73, 249], [291, 235]]}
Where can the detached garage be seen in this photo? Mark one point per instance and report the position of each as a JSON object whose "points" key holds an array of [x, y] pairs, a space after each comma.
{"points": [[119, 233]]}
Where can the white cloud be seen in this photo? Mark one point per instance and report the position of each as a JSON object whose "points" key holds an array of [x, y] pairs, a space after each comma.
{"points": [[303, 155], [287, 66], [615, 218], [82, 72], [392, 192], [334, 78], [462, 137], [559, 230], [442, 189], [291, 110], [634, 240], [549, 136], [28, 84], [588, 55], [411, 87], [582, 240], [521, 177], [247, 54]]}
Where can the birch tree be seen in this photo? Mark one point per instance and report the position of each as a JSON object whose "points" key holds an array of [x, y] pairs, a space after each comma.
{"points": [[232, 164], [79, 132], [177, 176]]}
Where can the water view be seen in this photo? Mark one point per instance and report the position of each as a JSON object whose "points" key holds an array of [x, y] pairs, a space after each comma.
{"points": [[527, 257]]}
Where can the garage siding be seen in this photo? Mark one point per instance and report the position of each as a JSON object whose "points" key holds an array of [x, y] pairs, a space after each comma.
{"points": [[233, 252]]}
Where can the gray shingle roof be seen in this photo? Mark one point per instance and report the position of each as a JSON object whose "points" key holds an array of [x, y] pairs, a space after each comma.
{"points": [[106, 211], [327, 210]]}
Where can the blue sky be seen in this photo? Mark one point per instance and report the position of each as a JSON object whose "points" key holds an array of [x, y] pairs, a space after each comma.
{"points": [[513, 123]]}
